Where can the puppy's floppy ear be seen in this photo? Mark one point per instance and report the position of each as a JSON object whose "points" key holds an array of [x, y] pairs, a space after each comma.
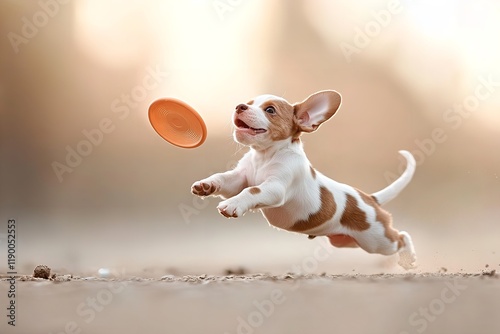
{"points": [[316, 109]]}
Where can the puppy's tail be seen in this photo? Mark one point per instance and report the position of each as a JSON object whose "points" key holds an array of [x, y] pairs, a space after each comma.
{"points": [[390, 192]]}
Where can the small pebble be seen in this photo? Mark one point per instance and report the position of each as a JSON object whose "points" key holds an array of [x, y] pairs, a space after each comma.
{"points": [[104, 272], [41, 271]]}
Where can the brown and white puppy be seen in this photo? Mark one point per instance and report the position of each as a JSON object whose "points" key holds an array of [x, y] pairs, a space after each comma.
{"points": [[276, 177]]}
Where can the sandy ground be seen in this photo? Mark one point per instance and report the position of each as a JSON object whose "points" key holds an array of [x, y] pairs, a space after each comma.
{"points": [[258, 303], [235, 281]]}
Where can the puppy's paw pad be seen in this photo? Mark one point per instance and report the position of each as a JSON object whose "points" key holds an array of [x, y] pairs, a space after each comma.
{"points": [[203, 188], [228, 214], [229, 210]]}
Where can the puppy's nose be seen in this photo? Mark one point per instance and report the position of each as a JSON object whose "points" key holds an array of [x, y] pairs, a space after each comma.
{"points": [[241, 108]]}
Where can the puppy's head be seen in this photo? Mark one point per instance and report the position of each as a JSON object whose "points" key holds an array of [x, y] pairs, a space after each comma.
{"points": [[268, 119]]}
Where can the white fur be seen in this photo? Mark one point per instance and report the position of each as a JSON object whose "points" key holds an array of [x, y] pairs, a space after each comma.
{"points": [[389, 193]]}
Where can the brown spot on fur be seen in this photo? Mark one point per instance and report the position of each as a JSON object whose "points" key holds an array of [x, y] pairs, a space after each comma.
{"points": [[282, 124], [384, 218], [325, 213], [250, 102], [254, 190], [313, 172], [353, 217], [401, 241]]}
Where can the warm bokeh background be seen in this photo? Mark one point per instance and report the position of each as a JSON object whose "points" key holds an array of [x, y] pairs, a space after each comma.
{"points": [[127, 204]]}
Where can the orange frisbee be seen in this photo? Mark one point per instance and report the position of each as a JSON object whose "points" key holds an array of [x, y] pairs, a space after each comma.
{"points": [[177, 123]]}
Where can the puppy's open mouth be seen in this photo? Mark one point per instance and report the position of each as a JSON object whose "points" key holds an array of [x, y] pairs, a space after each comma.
{"points": [[240, 125]]}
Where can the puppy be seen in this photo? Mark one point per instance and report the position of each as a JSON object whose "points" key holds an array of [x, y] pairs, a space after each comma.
{"points": [[276, 177]]}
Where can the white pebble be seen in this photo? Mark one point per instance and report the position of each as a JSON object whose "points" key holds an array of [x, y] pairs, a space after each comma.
{"points": [[104, 272]]}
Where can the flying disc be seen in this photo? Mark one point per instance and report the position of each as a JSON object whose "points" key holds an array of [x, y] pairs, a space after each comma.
{"points": [[178, 123]]}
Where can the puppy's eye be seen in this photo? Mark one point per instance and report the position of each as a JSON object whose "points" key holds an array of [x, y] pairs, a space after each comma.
{"points": [[270, 110]]}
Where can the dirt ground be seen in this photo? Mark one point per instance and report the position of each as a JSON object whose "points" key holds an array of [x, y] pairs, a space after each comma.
{"points": [[259, 303], [266, 282]]}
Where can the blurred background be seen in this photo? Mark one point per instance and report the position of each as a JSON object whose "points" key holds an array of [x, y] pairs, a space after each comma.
{"points": [[91, 185]]}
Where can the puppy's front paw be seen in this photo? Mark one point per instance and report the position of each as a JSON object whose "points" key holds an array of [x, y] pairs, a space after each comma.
{"points": [[204, 188], [230, 209]]}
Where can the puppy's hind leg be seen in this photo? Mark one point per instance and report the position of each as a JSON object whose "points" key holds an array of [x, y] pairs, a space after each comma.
{"points": [[407, 255], [342, 241], [387, 242]]}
